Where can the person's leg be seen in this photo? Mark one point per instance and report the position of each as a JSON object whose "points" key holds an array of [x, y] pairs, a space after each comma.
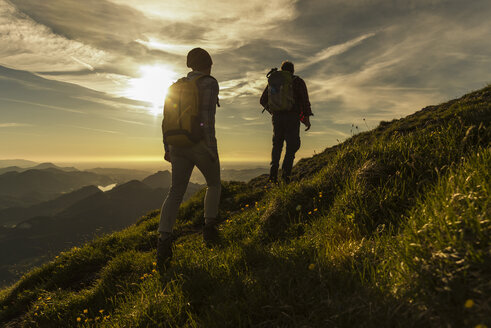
{"points": [[278, 138], [182, 167], [292, 137], [209, 165]]}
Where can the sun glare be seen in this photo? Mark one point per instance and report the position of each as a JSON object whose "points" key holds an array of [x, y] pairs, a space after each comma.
{"points": [[151, 86]]}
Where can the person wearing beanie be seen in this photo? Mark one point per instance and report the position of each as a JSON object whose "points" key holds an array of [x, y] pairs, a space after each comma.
{"points": [[202, 154], [286, 124]]}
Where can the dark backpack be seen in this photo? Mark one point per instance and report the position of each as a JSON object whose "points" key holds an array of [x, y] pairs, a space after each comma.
{"points": [[280, 90], [181, 124]]}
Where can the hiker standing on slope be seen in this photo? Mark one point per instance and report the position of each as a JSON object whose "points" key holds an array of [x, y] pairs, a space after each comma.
{"points": [[287, 99], [188, 131]]}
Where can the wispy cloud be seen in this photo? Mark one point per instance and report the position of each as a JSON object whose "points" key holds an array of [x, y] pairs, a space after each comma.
{"points": [[335, 50], [14, 125], [93, 129], [63, 109], [31, 46]]}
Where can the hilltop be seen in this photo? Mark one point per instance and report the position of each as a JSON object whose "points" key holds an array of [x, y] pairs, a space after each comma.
{"points": [[389, 228]]}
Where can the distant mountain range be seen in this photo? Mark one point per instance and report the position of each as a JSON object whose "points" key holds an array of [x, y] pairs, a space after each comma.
{"points": [[16, 162], [41, 166], [69, 220], [32, 186], [120, 175]]}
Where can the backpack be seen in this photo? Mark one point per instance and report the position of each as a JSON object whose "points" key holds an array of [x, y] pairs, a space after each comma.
{"points": [[181, 124], [280, 90]]}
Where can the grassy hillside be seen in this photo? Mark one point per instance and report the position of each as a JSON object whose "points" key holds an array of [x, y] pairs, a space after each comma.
{"points": [[390, 228]]}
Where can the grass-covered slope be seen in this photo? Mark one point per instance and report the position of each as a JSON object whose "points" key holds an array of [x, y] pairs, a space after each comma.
{"points": [[390, 228]]}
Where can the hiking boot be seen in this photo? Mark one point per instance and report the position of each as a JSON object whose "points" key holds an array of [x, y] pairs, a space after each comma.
{"points": [[210, 233], [164, 253]]}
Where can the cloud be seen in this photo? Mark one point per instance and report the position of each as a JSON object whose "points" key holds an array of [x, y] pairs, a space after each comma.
{"points": [[93, 129], [28, 45], [31, 103], [334, 50], [14, 125]]}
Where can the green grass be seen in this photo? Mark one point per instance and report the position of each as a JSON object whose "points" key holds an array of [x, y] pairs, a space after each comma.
{"points": [[390, 228]]}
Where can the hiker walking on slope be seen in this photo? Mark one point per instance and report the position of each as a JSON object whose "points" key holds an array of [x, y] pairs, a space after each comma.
{"points": [[188, 131], [287, 99]]}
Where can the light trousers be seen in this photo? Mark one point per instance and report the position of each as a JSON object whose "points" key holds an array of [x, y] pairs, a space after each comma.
{"points": [[183, 161]]}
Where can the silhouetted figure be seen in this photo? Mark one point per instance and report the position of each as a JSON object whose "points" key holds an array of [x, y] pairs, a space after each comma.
{"points": [[189, 140], [287, 99]]}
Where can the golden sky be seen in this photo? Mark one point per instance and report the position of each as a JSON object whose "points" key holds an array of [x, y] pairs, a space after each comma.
{"points": [[84, 81]]}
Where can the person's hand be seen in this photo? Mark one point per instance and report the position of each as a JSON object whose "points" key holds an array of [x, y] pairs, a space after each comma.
{"points": [[307, 123], [167, 156]]}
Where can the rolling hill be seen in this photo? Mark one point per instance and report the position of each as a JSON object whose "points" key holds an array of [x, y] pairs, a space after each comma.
{"points": [[387, 229]]}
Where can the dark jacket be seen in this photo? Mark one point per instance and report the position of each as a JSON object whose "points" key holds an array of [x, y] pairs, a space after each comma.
{"points": [[300, 96]]}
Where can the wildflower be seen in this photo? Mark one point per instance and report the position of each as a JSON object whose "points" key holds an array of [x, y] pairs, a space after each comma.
{"points": [[310, 212], [35, 313], [101, 310], [311, 266], [469, 303], [154, 263], [39, 298], [154, 271], [86, 311], [246, 205], [79, 319], [481, 326], [48, 298], [315, 210]]}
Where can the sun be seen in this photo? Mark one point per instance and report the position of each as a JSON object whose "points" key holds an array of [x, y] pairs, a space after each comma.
{"points": [[151, 86]]}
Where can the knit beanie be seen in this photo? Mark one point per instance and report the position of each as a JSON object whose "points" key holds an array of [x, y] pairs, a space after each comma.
{"points": [[199, 59]]}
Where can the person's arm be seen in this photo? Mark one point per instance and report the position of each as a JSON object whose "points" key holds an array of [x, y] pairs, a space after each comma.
{"points": [[209, 96], [303, 95], [304, 103]]}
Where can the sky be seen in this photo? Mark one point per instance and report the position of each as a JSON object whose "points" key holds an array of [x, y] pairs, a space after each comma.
{"points": [[84, 81]]}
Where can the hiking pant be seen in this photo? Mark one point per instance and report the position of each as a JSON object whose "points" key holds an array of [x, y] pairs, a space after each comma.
{"points": [[286, 127], [183, 161]]}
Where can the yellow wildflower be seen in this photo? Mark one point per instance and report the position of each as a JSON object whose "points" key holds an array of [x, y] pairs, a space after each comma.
{"points": [[310, 212], [469, 303], [154, 263], [315, 210], [101, 310], [79, 319], [86, 311], [311, 266]]}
